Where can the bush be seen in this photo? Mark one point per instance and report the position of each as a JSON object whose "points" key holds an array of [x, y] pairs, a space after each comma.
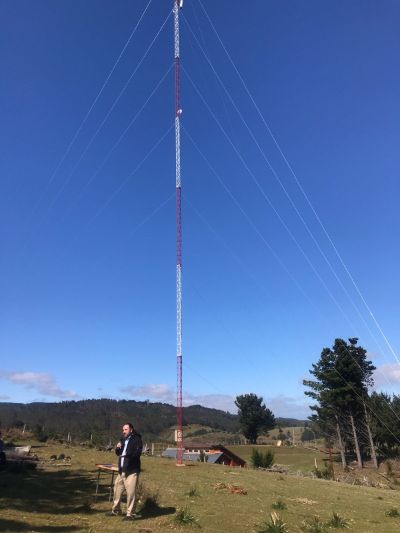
{"points": [[313, 525], [193, 492], [185, 517], [325, 473], [274, 525], [337, 522], [307, 435], [393, 513], [261, 460], [279, 504], [255, 458]]}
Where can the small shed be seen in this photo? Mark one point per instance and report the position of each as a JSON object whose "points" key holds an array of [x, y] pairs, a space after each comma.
{"points": [[212, 453]]}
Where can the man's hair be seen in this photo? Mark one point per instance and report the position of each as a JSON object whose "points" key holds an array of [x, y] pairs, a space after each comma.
{"points": [[130, 425]]}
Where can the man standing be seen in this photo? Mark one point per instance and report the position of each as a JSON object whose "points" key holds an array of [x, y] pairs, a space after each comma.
{"points": [[129, 449]]}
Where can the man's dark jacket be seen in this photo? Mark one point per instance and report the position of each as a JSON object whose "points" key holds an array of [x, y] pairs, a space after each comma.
{"points": [[132, 455]]}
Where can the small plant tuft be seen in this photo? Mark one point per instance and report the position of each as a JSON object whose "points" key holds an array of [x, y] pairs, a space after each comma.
{"points": [[393, 513], [338, 522], [313, 525], [279, 504], [274, 525], [185, 517], [193, 492]]}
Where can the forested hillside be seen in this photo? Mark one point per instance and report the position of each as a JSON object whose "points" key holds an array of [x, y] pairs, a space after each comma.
{"points": [[103, 418]]}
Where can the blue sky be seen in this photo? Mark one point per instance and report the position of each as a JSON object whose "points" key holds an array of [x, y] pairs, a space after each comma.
{"points": [[87, 268]]}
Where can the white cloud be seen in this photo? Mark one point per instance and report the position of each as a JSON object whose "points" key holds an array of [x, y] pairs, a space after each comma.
{"points": [[156, 391], [224, 402], [283, 406], [164, 393], [288, 407], [42, 383], [3, 397], [387, 374]]}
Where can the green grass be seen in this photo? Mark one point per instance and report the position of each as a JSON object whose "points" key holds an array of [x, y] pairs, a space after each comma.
{"points": [[295, 458], [56, 499]]}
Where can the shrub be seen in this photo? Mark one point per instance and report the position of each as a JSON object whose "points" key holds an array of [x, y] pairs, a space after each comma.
{"points": [[193, 492], [393, 513], [255, 458], [185, 517], [268, 459], [261, 460], [313, 525], [325, 473], [279, 504], [336, 521], [274, 525]]}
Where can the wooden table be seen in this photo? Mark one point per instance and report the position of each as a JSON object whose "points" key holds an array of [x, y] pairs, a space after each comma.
{"points": [[109, 469]]}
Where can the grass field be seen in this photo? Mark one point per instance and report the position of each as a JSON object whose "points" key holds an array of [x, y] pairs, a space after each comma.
{"points": [[61, 498], [295, 458]]}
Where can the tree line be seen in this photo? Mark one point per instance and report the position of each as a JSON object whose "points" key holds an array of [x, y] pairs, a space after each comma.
{"points": [[100, 420], [362, 423]]}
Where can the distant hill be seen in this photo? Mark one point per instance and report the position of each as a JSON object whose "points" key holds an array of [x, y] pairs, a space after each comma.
{"points": [[103, 418]]}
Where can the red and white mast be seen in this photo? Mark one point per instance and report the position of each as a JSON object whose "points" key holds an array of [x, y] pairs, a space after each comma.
{"points": [[179, 431]]}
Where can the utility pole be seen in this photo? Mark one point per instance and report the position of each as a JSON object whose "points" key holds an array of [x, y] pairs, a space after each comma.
{"points": [[178, 111]]}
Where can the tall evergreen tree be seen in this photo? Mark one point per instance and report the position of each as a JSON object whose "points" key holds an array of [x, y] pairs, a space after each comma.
{"points": [[343, 376], [254, 417], [384, 413]]}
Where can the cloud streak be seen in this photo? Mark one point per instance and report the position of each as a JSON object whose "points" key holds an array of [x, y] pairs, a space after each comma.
{"points": [[163, 393], [281, 405], [387, 373], [288, 407], [43, 383]]}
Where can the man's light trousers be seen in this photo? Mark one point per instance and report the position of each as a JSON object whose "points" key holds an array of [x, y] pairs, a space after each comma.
{"points": [[129, 484]]}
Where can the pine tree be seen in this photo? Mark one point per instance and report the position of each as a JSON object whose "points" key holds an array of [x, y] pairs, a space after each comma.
{"points": [[343, 376], [254, 417]]}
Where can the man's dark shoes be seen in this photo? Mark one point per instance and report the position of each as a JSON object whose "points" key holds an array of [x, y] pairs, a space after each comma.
{"points": [[133, 516], [113, 513]]}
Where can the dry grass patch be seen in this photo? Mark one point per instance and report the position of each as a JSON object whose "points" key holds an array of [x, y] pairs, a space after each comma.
{"points": [[55, 499]]}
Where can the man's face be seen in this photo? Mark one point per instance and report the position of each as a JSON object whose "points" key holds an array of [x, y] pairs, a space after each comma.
{"points": [[126, 430]]}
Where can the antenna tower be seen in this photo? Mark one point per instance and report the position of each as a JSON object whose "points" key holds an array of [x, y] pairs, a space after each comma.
{"points": [[178, 111]]}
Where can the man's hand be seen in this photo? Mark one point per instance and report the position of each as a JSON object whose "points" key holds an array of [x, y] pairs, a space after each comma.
{"points": [[119, 445]]}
